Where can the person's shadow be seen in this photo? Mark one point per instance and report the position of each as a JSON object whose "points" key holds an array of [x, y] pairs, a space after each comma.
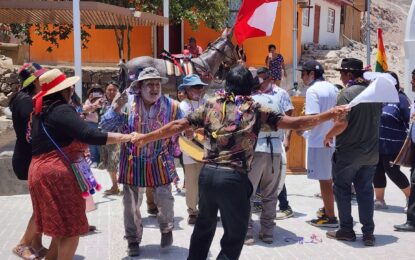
{"points": [[381, 240], [282, 237], [155, 252]]}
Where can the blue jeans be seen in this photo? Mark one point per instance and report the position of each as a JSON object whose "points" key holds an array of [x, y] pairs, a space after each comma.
{"points": [[344, 174], [94, 149]]}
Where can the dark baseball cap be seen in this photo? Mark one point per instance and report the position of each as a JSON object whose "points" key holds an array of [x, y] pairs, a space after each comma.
{"points": [[312, 65]]}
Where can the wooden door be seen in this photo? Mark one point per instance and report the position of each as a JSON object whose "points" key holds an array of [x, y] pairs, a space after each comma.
{"points": [[175, 41], [316, 23], [296, 154]]}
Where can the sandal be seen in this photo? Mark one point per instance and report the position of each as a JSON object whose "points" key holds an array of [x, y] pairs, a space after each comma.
{"points": [[25, 252], [41, 253]]}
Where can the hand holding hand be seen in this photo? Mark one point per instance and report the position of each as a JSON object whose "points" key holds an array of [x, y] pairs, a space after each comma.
{"points": [[339, 112], [138, 139]]}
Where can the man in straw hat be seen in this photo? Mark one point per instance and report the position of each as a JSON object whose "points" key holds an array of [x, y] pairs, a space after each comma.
{"points": [[356, 155], [231, 122], [142, 108], [193, 88]]}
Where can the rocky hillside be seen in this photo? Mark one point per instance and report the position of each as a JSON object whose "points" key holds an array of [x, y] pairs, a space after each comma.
{"points": [[391, 17]]}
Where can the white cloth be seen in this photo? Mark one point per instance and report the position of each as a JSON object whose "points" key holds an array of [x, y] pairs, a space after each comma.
{"points": [[188, 106], [381, 90], [320, 97], [279, 101]]}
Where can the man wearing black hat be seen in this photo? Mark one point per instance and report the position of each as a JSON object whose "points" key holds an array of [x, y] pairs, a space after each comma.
{"points": [[320, 96], [356, 155]]}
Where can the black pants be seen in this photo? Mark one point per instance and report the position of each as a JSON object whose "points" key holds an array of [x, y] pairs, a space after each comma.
{"points": [[393, 171], [227, 191], [411, 201], [283, 203]]}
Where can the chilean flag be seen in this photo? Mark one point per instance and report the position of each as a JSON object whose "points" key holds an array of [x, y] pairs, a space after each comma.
{"points": [[255, 19]]}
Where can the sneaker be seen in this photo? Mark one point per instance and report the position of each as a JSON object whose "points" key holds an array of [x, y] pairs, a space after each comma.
{"points": [[380, 204], [133, 249], [191, 220], [94, 165], [341, 235], [283, 214], [321, 212], [249, 240], [153, 212], [325, 221], [166, 239], [368, 240], [406, 227], [113, 191], [267, 239]]}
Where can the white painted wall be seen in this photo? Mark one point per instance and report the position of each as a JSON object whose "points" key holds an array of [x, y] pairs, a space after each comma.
{"points": [[325, 37]]}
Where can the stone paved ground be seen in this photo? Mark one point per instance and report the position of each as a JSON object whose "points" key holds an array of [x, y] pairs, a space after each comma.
{"points": [[108, 243]]}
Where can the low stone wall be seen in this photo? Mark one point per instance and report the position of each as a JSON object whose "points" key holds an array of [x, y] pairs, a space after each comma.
{"points": [[9, 81]]}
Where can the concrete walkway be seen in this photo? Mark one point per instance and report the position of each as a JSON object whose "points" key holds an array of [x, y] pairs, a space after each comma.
{"points": [[108, 243]]}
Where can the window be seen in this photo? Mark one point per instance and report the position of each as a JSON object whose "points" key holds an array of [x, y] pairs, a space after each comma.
{"points": [[306, 15], [331, 20]]}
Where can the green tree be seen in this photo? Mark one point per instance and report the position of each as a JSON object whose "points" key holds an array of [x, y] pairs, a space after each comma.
{"points": [[213, 12]]}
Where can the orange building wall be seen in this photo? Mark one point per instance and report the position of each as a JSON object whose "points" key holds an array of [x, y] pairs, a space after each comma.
{"points": [[256, 49], [102, 47]]}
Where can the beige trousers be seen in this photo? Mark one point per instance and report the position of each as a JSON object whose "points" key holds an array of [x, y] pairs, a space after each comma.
{"points": [[192, 186]]}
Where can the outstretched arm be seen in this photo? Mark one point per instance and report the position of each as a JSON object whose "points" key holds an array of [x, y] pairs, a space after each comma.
{"points": [[308, 122], [164, 132]]}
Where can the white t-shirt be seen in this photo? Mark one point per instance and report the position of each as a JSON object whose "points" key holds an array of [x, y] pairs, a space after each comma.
{"points": [[279, 101], [320, 97], [188, 106]]}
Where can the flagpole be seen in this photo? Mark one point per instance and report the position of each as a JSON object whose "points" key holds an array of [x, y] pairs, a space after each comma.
{"points": [[295, 30], [368, 33], [77, 46]]}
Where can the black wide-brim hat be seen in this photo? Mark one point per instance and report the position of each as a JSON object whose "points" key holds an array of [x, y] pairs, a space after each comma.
{"points": [[351, 64]]}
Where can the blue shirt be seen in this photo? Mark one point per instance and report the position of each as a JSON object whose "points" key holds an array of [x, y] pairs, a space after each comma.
{"points": [[394, 125]]}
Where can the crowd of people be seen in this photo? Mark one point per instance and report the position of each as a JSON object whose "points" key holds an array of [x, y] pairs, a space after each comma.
{"points": [[134, 135]]}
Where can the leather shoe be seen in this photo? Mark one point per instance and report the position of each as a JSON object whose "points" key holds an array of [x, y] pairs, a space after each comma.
{"points": [[342, 235], [407, 227]]}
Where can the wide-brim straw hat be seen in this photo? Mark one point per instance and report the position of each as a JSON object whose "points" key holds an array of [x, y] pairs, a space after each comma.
{"points": [[52, 82]]}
